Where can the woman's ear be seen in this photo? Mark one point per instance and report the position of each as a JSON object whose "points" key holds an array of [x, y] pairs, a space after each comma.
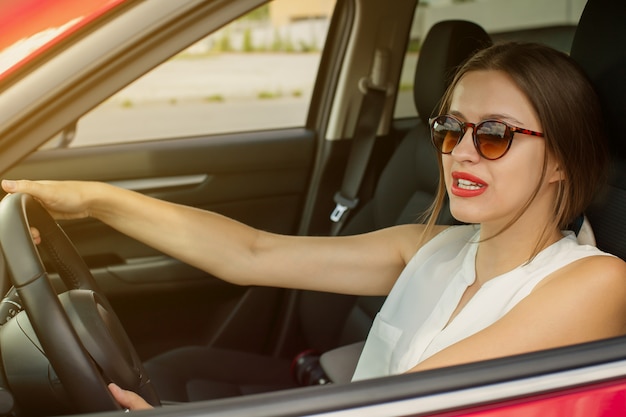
{"points": [[557, 174]]}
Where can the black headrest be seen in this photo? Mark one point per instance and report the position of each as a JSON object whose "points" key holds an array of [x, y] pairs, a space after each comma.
{"points": [[599, 46], [446, 46]]}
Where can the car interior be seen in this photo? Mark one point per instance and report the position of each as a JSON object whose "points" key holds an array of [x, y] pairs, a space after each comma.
{"points": [[400, 192], [405, 188], [254, 340]]}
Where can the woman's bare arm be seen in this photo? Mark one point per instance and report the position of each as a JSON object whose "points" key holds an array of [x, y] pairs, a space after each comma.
{"points": [[364, 264], [581, 302]]}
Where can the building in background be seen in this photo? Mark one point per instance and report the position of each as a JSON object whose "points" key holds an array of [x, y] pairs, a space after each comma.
{"points": [[284, 12]]}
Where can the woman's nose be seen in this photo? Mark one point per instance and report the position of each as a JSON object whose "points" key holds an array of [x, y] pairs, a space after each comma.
{"points": [[465, 149]]}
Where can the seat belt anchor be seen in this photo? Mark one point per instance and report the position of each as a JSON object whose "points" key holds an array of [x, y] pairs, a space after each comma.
{"points": [[343, 205]]}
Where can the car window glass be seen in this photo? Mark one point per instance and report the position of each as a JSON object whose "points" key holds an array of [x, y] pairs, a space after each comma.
{"points": [[552, 23], [255, 73]]}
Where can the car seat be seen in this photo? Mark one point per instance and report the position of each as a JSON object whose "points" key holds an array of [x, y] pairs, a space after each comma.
{"points": [[405, 189], [596, 48], [600, 28]]}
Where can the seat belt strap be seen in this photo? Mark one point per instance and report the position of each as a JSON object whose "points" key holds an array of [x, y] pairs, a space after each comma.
{"points": [[364, 136], [369, 117]]}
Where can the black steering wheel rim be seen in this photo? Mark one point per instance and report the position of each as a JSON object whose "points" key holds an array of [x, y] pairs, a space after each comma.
{"points": [[84, 373]]}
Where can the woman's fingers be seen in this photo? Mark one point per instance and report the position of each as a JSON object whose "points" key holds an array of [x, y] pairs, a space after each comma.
{"points": [[128, 399], [9, 186], [22, 186], [35, 235]]}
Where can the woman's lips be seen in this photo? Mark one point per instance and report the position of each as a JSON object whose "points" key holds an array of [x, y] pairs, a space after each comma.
{"points": [[467, 185]]}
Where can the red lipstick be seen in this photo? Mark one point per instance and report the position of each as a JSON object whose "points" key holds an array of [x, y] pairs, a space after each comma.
{"points": [[467, 185]]}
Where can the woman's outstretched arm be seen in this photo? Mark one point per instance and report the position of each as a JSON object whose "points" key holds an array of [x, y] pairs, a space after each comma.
{"points": [[230, 250]]}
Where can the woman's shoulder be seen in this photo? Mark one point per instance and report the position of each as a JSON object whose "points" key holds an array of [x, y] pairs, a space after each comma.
{"points": [[601, 271], [590, 292], [601, 265]]}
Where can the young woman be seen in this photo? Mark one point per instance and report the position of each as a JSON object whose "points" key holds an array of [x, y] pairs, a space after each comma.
{"points": [[522, 151]]}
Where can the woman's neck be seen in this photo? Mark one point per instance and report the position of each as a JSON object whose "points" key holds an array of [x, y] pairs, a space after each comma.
{"points": [[501, 252]]}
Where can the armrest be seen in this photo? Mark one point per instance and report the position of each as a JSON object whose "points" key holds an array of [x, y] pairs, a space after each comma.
{"points": [[339, 364]]}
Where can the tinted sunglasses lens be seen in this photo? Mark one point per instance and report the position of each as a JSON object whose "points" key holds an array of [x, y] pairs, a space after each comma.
{"points": [[493, 139], [446, 133]]}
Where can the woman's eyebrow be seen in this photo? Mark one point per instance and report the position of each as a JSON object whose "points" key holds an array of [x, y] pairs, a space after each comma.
{"points": [[457, 114], [491, 116], [503, 117]]}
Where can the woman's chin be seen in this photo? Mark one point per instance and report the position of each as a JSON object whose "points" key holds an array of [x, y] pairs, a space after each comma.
{"points": [[465, 216]]}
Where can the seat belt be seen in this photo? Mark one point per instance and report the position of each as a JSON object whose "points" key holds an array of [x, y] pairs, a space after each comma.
{"points": [[368, 120]]}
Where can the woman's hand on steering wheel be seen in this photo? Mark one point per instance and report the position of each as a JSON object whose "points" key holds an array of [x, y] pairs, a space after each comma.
{"points": [[62, 199], [35, 235], [128, 399], [79, 323]]}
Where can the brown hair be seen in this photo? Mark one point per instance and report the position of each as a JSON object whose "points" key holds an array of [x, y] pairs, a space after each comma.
{"points": [[569, 112]]}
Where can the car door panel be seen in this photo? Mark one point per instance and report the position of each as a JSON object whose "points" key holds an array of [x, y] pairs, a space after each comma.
{"points": [[258, 178]]}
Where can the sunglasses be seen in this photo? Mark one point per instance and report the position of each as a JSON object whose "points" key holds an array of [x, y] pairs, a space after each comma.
{"points": [[492, 138]]}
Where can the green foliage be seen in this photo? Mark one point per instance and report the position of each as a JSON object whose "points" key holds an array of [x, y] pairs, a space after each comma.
{"points": [[414, 45], [260, 13], [308, 47], [288, 45], [215, 98], [281, 44], [277, 43], [224, 44], [248, 45], [268, 95]]}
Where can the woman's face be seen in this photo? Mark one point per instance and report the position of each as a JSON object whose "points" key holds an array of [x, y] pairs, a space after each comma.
{"points": [[493, 191]]}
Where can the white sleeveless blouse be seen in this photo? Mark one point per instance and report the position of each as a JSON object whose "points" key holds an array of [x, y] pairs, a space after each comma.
{"points": [[411, 325]]}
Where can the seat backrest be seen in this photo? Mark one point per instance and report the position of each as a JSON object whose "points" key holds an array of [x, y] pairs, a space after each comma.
{"points": [[598, 46], [406, 187]]}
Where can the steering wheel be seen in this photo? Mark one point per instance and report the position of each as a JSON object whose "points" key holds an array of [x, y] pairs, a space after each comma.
{"points": [[78, 331]]}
